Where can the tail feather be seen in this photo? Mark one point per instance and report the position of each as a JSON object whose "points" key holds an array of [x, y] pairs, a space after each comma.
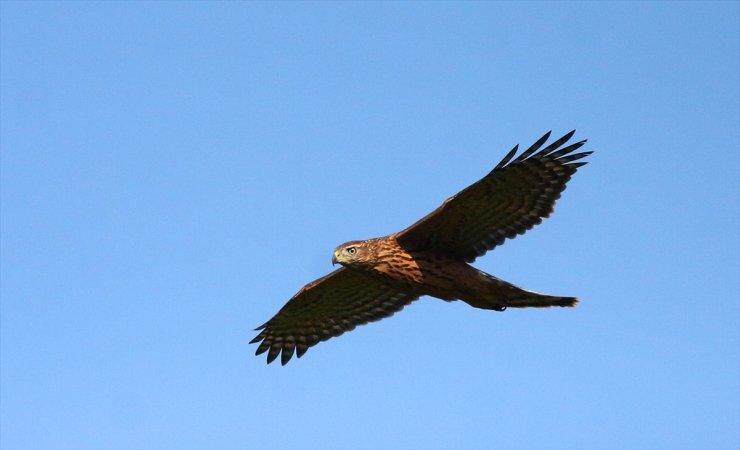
{"points": [[535, 300], [502, 295]]}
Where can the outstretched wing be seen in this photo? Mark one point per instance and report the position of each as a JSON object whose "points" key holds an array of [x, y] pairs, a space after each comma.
{"points": [[515, 196], [327, 308]]}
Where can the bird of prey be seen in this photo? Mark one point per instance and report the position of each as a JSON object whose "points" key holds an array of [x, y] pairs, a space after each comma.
{"points": [[380, 276]]}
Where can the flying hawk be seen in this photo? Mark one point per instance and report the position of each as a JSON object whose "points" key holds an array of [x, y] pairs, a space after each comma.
{"points": [[380, 276]]}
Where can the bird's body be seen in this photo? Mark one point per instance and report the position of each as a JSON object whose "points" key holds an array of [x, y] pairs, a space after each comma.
{"points": [[381, 276], [438, 275], [423, 272]]}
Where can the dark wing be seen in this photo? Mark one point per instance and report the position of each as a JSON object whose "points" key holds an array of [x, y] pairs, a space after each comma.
{"points": [[327, 308], [507, 202]]}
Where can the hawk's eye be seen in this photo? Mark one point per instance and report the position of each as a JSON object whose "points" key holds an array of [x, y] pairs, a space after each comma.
{"points": [[351, 250]]}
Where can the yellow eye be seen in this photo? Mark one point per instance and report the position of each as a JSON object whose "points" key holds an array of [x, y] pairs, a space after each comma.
{"points": [[351, 250]]}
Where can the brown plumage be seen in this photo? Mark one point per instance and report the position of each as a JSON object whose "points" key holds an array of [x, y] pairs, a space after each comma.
{"points": [[380, 276]]}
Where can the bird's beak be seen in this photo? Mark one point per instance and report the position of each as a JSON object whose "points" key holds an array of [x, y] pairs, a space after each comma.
{"points": [[334, 259]]}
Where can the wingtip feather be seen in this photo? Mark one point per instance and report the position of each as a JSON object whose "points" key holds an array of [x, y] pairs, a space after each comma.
{"points": [[556, 144], [533, 148], [508, 157], [574, 157], [273, 353], [264, 346]]}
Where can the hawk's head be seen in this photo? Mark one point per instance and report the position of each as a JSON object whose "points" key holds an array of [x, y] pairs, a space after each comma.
{"points": [[354, 253]]}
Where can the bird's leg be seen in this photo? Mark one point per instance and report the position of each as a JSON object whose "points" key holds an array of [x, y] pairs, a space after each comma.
{"points": [[501, 308]]}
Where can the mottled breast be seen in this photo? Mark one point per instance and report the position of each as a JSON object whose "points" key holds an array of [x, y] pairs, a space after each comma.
{"points": [[394, 262]]}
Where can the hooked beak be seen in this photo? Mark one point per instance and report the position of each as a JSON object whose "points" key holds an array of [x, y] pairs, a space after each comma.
{"points": [[334, 260]]}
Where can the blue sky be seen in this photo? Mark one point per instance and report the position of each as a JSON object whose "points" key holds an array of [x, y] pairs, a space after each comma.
{"points": [[172, 173]]}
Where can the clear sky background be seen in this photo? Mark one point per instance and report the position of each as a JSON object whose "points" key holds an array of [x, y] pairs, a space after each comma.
{"points": [[172, 173]]}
